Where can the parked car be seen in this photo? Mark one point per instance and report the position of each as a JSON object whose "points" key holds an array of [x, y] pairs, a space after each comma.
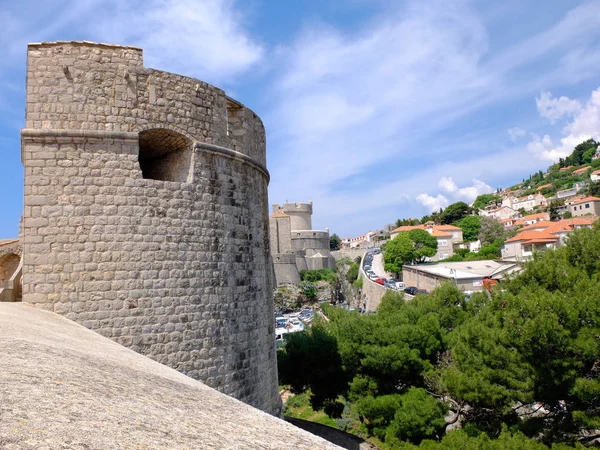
{"points": [[400, 284], [294, 325], [367, 267], [380, 281], [423, 291], [411, 290], [373, 276]]}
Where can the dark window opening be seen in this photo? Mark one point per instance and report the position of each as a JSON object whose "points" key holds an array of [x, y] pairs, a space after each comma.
{"points": [[165, 155]]}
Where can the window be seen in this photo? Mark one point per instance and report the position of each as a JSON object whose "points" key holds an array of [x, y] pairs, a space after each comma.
{"points": [[165, 155], [442, 242], [587, 205]]}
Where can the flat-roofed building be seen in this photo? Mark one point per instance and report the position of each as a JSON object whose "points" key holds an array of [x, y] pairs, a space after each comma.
{"points": [[467, 275]]}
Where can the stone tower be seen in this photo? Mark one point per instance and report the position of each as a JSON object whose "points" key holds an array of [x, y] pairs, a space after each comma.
{"points": [[300, 214], [146, 214], [295, 245]]}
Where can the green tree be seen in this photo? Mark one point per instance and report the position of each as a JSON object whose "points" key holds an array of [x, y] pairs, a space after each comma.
{"points": [[399, 251], [425, 244], [484, 200], [576, 158], [311, 361], [454, 212], [408, 247], [593, 189], [334, 242], [553, 209], [352, 273], [490, 230], [470, 226], [419, 416]]}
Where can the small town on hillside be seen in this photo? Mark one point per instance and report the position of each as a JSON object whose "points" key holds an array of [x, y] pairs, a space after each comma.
{"points": [[495, 234], [184, 255]]}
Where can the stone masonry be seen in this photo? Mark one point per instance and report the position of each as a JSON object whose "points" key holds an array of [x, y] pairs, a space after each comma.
{"points": [[295, 245], [145, 215]]}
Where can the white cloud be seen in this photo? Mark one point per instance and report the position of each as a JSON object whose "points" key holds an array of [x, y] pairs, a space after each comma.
{"points": [[584, 125], [447, 184], [515, 133], [554, 108], [467, 193], [203, 38], [432, 203]]}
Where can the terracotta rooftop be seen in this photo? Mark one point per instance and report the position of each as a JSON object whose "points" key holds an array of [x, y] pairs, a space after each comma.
{"points": [[408, 228], [587, 200], [547, 231], [582, 170]]}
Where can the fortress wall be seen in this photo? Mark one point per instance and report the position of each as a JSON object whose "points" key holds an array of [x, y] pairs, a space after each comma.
{"points": [[285, 268], [310, 243], [279, 233], [178, 271], [87, 86]]}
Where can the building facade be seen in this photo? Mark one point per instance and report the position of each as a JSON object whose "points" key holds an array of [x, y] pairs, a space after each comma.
{"points": [[585, 207]]}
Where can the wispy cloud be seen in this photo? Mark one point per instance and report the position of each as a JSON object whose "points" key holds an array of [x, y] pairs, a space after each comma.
{"points": [[554, 108], [584, 125], [515, 133]]}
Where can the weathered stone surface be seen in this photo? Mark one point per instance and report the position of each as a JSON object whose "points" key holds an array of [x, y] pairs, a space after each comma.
{"points": [[63, 386], [146, 214]]}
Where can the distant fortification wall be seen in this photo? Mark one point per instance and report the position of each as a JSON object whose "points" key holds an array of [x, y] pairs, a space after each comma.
{"points": [[146, 214], [290, 228]]}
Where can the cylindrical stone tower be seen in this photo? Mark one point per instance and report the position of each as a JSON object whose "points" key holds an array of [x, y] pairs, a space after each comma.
{"points": [[300, 214], [146, 215]]}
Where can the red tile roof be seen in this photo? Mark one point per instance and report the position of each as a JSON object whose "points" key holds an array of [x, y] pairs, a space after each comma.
{"points": [[543, 215], [547, 231], [408, 228], [582, 170], [439, 233], [587, 200]]}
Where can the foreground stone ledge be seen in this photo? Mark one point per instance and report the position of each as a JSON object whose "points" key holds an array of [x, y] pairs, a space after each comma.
{"points": [[64, 386]]}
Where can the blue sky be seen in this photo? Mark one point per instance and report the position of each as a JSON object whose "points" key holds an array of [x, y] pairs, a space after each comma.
{"points": [[375, 110]]}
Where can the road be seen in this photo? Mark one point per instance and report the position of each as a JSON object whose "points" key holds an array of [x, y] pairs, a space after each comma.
{"points": [[377, 266]]}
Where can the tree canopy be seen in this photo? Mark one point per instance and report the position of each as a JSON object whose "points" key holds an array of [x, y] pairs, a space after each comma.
{"points": [[454, 212], [519, 367], [408, 247], [484, 200], [334, 242], [470, 226]]}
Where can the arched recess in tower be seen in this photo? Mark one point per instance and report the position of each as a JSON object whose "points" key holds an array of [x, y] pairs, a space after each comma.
{"points": [[165, 155], [10, 278]]}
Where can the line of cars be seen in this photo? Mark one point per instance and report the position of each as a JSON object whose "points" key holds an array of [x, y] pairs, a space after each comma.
{"points": [[368, 268], [391, 283]]}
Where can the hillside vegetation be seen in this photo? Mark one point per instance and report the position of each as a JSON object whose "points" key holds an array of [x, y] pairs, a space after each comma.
{"points": [[518, 368]]}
